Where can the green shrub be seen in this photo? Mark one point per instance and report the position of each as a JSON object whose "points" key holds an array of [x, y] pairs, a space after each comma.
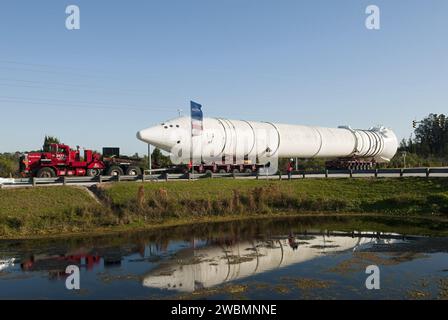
{"points": [[439, 202], [8, 166]]}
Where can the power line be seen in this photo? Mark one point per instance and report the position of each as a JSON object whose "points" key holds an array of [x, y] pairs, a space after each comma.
{"points": [[72, 102], [70, 90], [54, 104], [50, 72], [36, 64], [40, 67], [66, 84]]}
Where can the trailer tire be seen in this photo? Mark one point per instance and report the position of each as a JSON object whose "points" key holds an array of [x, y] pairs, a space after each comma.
{"points": [[248, 170], [133, 171], [93, 172], [46, 173], [222, 171], [114, 171]]}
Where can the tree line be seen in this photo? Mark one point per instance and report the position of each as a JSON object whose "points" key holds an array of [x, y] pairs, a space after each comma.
{"points": [[431, 137], [427, 146]]}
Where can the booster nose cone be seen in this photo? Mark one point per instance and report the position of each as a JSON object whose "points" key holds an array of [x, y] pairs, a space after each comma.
{"points": [[150, 135], [140, 136], [156, 136]]}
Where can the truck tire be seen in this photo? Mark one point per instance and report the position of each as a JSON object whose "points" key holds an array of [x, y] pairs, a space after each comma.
{"points": [[133, 171], [93, 172], [114, 171], [222, 171], [248, 170], [46, 173]]}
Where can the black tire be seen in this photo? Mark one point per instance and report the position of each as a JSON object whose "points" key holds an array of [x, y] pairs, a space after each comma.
{"points": [[133, 171], [236, 170], [185, 171], [46, 173], [208, 172], [114, 171], [94, 172], [248, 170], [222, 171]]}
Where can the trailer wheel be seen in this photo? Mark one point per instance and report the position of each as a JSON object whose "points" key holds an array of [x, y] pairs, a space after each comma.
{"points": [[46, 173], [222, 171], [236, 170], [248, 170], [93, 172], [115, 171], [133, 171]]}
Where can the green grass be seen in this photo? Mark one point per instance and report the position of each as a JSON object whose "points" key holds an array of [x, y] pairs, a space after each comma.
{"points": [[129, 206], [45, 210], [408, 195], [317, 188], [28, 202]]}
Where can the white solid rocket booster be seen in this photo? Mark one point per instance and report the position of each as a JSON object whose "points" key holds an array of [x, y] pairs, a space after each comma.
{"points": [[234, 141]]}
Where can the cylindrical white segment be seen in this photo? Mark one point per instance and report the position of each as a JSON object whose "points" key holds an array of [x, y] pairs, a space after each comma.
{"points": [[235, 141]]}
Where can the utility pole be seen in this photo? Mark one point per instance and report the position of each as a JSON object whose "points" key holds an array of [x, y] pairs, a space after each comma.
{"points": [[149, 159], [192, 153], [403, 154]]}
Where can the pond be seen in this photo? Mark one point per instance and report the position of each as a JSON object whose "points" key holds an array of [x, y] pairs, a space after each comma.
{"points": [[284, 258]]}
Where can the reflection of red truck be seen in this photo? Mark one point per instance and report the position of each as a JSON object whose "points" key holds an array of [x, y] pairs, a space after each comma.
{"points": [[59, 262], [61, 160]]}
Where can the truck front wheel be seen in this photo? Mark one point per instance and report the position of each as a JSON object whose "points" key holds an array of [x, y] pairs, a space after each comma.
{"points": [[114, 171], [133, 171], [45, 173], [93, 172]]}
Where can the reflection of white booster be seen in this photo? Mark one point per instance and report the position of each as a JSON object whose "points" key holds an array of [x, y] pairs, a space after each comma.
{"points": [[6, 263], [238, 140], [218, 265]]}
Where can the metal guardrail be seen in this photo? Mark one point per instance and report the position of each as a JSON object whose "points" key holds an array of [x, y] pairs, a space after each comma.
{"points": [[164, 176]]}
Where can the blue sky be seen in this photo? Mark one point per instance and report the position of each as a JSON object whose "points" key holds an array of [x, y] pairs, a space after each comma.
{"points": [[134, 63]]}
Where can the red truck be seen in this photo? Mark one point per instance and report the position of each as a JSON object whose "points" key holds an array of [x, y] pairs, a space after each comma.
{"points": [[61, 160]]}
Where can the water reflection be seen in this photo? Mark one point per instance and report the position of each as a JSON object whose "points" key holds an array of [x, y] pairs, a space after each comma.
{"points": [[56, 265], [6, 263], [183, 260], [224, 261]]}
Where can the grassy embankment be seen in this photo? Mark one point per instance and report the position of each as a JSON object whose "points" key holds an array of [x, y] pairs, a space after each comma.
{"points": [[62, 210]]}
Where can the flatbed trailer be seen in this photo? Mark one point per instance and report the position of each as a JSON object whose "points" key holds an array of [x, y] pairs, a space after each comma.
{"points": [[220, 168], [350, 164]]}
